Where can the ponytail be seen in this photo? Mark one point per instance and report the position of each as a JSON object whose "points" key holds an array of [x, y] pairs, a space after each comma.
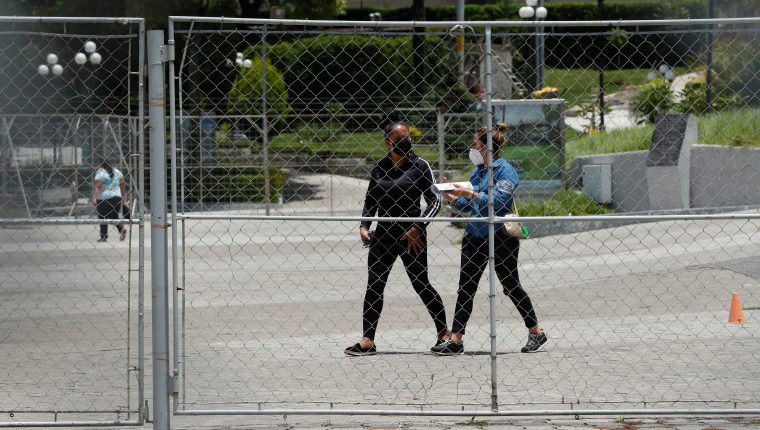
{"points": [[105, 165]]}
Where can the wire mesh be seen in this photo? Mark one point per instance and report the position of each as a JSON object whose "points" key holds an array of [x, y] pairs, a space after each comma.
{"points": [[72, 307], [282, 132]]}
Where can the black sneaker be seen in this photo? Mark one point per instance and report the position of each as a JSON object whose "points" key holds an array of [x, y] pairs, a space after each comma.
{"points": [[535, 342], [103, 239], [357, 350], [448, 348]]}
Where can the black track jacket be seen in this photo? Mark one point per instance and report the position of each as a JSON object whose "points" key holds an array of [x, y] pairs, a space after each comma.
{"points": [[397, 193]]}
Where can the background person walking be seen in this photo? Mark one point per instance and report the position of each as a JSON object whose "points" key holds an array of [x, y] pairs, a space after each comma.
{"points": [[108, 193]]}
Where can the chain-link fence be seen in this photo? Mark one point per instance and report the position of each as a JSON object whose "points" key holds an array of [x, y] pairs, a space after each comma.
{"points": [[71, 221], [644, 133]]}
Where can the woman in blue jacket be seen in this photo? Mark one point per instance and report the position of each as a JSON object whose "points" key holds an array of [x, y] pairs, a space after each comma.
{"points": [[474, 258]]}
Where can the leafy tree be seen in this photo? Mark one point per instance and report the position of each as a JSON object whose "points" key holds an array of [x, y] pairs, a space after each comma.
{"points": [[247, 90], [311, 9], [654, 98]]}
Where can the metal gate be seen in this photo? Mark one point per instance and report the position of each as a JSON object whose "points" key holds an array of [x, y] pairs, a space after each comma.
{"points": [[277, 124], [72, 307]]}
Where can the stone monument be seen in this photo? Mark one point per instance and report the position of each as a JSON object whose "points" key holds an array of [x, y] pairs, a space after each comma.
{"points": [[669, 161]]}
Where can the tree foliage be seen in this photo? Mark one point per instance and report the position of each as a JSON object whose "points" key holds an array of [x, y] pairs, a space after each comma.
{"points": [[245, 97]]}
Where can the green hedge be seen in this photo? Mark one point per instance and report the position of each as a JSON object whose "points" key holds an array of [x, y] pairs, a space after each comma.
{"points": [[363, 71], [557, 11], [577, 50], [222, 185]]}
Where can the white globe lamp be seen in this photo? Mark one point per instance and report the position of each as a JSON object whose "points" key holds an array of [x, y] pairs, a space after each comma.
{"points": [[43, 70], [95, 58], [531, 3], [80, 58], [541, 12], [57, 69], [90, 46], [525, 12], [52, 59]]}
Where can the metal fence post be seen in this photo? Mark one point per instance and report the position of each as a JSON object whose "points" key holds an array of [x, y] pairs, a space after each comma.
{"points": [[175, 263], [141, 234], [441, 124], [491, 238], [158, 225], [264, 120]]}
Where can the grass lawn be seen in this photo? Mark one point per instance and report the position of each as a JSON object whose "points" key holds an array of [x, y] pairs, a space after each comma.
{"points": [[739, 128], [358, 144], [578, 85]]}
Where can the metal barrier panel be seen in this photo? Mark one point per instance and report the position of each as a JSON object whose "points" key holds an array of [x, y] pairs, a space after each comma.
{"points": [[71, 152], [630, 152]]}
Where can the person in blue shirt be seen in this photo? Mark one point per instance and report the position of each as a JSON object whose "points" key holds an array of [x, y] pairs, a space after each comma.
{"points": [[108, 193], [474, 257]]}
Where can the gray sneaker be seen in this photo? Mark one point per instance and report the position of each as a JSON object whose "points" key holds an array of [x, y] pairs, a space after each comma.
{"points": [[535, 342]]}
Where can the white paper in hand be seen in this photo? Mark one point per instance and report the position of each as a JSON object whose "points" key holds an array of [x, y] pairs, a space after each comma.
{"points": [[448, 186]]}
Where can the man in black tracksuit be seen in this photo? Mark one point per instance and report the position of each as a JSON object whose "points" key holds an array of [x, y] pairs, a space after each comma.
{"points": [[397, 184]]}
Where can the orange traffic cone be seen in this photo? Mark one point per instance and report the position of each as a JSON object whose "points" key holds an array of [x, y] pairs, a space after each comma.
{"points": [[736, 314]]}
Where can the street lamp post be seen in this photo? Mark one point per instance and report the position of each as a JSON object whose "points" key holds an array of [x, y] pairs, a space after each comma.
{"points": [[535, 9]]}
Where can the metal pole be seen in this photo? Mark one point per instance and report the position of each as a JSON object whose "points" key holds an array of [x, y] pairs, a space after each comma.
{"points": [[491, 238], [460, 37], [600, 7], [540, 50], [264, 124], [159, 277], [441, 145], [708, 73], [601, 98], [175, 264], [141, 228]]}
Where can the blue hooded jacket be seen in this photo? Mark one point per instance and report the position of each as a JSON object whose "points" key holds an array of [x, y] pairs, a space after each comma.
{"points": [[505, 181]]}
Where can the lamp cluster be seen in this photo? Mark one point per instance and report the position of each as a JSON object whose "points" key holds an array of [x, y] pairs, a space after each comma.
{"points": [[530, 10], [80, 58], [665, 71], [241, 61]]}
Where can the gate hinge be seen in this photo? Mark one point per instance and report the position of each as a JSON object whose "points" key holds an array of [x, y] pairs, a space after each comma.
{"points": [[174, 383], [167, 52]]}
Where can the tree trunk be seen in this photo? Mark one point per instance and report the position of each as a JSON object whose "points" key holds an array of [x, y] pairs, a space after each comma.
{"points": [[249, 8], [418, 49]]}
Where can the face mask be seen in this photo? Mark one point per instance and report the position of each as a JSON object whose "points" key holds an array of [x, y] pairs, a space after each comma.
{"points": [[403, 146], [476, 157]]}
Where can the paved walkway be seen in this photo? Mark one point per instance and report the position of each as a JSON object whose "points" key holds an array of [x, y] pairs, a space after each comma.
{"points": [[620, 115], [635, 314]]}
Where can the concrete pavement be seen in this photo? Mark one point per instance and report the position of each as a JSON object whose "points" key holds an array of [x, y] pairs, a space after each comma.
{"points": [[636, 316]]}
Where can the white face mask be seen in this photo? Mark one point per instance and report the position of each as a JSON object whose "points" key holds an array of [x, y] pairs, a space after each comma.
{"points": [[476, 157]]}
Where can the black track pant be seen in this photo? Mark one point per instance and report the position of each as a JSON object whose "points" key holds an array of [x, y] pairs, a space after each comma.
{"points": [[109, 209], [474, 262], [383, 252]]}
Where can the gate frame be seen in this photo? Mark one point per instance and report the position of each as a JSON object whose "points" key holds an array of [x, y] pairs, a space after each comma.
{"points": [[177, 319], [141, 411]]}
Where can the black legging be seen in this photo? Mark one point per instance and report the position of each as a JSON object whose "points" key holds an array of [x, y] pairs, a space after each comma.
{"points": [[383, 252], [473, 263], [109, 209]]}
